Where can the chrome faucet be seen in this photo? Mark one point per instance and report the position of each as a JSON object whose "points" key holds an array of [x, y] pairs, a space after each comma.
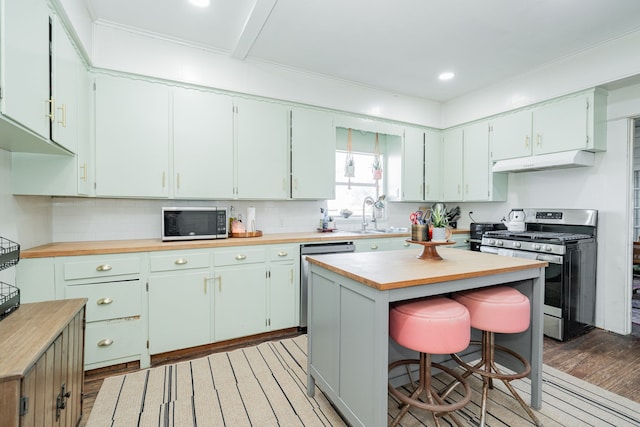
{"points": [[377, 204], [367, 201]]}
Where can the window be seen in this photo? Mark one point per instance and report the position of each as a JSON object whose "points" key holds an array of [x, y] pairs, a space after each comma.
{"points": [[350, 195]]}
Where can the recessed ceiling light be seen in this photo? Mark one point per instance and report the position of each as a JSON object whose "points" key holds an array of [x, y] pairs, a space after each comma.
{"points": [[200, 3], [446, 76]]}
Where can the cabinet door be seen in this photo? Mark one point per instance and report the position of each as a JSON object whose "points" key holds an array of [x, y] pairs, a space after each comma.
{"points": [[452, 151], [476, 162], [262, 150], [282, 296], [132, 138], [64, 90], [240, 301], [85, 152], [511, 136], [25, 66], [313, 153], [202, 144], [372, 245], [413, 169], [179, 311], [432, 165], [561, 125]]}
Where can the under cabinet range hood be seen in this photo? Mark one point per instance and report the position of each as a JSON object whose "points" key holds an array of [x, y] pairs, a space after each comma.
{"points": [[565, 159]]}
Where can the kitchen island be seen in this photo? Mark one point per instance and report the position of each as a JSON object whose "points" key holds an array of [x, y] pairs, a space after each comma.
{"points": [[349, 296]]}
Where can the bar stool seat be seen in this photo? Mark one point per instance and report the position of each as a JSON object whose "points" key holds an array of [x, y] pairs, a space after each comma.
{"points": [[434, 325], [497, 309]]}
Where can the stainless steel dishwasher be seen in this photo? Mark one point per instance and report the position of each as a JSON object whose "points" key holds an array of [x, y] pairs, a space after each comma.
{"points": [[315, 249]]}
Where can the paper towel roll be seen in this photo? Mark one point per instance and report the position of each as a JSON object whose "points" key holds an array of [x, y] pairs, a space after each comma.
{"points": [[250, 223]]}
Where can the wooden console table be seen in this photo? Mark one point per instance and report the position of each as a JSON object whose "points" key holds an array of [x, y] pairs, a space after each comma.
{"points": [[42, 364]]}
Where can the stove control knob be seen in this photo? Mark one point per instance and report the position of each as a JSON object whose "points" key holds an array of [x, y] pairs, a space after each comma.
{"points": [[536, 247], [517, 244], [548, 248], [499, 243], [492, 241]]}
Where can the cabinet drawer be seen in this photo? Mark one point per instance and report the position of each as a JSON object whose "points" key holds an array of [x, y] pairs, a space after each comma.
{"points": [[101, 267], [282, 253], [239, 255], [108, 300], [179, 261], [111, 339]]}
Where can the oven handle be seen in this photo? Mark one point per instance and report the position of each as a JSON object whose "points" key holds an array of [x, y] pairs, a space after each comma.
{"points": [[552, 259]]}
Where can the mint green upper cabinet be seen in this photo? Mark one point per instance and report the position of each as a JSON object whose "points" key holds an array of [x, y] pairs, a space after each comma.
{"points": [[132, 137], [202, 137], [452, 153], [412, 187], [467, 172], [313, 151], [61, 175], [65, 69], [511, 136], [25, 66], [574, 123], [476, 163], [432, 165], [262, 150]]}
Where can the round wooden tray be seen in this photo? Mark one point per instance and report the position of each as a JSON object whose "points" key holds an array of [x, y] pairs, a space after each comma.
{"points": [[256, 233], [429, 251]]}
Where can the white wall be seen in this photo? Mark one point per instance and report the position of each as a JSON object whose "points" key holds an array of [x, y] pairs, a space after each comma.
{"points": [[24, 220]]}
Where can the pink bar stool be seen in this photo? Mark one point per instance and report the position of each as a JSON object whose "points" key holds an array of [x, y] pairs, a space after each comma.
{"points": [[498, 309], [435, 325]]}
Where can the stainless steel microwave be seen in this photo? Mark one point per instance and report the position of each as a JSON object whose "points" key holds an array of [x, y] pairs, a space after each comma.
{"points": [[191, 223]]}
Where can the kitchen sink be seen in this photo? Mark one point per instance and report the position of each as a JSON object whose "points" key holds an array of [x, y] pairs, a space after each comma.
{"points": [[387, 231]]}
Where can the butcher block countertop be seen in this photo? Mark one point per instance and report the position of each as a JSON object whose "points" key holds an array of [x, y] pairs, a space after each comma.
{"points": [[148, 245], [399, 269]]}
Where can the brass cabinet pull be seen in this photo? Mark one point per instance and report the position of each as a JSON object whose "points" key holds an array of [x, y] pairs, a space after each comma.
{"points": [[291, 276], [374, 246], [52, 109], [282, 254], [295, 184], [104, 301], [538, 140], [105, 342], [406, 244], [467, 188], [63, 109], [181, 261], [163, 178], [178, 180], [241, 257], [103, 267], [84, 172], [526, 141]]}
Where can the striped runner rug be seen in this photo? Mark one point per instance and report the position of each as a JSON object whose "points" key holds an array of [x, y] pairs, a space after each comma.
{"points": [[265, 385]]}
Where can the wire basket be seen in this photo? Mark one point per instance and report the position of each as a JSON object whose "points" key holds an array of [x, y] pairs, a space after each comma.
{"points": [[9, 299], [9, 253]]}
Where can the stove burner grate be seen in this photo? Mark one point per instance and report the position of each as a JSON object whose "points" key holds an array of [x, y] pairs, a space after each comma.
{"points": [[538, 235]]}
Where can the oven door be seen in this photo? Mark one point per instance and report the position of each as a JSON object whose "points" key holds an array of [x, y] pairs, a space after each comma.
{"points": [[554, 287]]}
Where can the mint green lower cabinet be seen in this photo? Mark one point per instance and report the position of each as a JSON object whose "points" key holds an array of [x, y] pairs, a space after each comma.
{"points": [[282, 296], [116, 305], [370, 245], [179, 311], [461, 241], [240, 295]]}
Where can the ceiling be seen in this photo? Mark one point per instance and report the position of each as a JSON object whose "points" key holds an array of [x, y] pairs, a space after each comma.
{"points": [[400, 46]]}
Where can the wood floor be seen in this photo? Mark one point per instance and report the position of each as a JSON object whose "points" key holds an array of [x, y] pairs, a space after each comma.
{"points": [[599, 357]]}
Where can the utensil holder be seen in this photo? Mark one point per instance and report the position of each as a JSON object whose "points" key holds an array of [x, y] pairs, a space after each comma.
{"points": [[419, 232]]}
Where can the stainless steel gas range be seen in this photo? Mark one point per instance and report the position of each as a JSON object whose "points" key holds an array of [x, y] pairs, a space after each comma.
{"points": [[566, 239]]}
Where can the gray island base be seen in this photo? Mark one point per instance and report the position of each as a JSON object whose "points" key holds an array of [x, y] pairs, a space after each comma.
{"points": [[348, 320]]}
